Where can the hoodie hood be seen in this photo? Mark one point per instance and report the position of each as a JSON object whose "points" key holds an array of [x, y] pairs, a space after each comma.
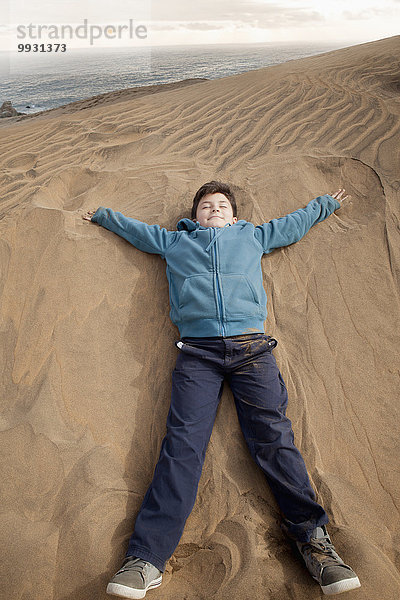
{"points": [[189, 225]]}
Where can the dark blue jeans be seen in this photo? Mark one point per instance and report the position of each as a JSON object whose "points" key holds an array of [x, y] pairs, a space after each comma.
{"points": [[260, 396]]}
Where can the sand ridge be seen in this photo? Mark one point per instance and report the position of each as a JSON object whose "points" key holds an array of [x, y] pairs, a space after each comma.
{"points": [[88, 347]]}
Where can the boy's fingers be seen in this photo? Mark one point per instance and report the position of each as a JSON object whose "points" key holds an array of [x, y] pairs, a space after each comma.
{"points": [[338, 195], [88, 216]]}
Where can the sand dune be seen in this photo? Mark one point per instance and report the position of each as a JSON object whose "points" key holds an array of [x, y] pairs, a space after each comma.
{"points": [[88, 348]]}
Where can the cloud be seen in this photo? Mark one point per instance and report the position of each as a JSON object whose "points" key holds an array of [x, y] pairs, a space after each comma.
{"points": [[370, 13], [208, 11], [356, 16], [210, 15], [202, 26], [163, 26], [291, 17], [387, 11]]}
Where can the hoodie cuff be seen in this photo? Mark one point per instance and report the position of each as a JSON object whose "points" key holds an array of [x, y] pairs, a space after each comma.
{"points": [[99, 215], [336, 202]]}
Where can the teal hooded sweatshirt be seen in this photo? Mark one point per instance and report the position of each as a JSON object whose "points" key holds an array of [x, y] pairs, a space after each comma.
{"points": [[214, 273]]}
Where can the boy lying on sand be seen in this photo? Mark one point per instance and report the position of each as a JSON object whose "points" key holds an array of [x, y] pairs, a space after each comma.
{"points": [[218, 303]]}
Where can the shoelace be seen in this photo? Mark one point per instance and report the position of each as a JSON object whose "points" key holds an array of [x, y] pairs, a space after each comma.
{"points": [[134, 565], [322, 551]]}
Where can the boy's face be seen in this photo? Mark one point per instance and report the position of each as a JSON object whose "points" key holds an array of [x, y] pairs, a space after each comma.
{"points": [[214, 210]]}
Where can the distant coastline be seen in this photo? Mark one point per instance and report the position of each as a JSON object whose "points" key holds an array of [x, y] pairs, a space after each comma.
{"points": [[113, 97]]}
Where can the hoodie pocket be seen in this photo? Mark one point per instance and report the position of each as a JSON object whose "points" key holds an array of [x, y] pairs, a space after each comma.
{"points": [[197, 298], [240, 297]]}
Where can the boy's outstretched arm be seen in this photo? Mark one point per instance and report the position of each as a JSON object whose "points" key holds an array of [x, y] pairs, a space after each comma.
{"points": [[148, 238], [291, 228]]}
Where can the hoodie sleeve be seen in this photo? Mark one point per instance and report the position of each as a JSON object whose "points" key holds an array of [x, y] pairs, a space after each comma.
{"points": [[148, 238], [291, 228]]}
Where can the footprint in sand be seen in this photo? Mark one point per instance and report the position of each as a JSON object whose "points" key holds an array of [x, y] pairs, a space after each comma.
{"points": [[115, 153], [67, 190], [21, 163]]}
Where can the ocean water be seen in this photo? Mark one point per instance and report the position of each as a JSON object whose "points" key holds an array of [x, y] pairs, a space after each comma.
{"points": [[39, 81]]}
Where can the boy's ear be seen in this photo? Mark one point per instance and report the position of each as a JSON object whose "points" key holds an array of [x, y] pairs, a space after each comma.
{"points": [[234, 219]]}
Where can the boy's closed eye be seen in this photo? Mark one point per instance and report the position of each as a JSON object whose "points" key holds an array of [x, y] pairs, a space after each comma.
{"points": [[208, 206]]}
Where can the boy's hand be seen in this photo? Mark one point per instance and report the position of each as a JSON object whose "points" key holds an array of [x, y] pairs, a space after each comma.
{"points": [[339, 195], [88, 215]]}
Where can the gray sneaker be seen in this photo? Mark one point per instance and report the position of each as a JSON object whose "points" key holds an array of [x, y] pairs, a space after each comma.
{"points": [[325, 565], [134, 578]]}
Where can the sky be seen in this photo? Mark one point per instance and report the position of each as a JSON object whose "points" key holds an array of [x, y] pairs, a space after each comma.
{"points": [[174, 22]]}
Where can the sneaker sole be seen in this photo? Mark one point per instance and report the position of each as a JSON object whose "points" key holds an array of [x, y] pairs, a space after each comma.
{"points": [[116, 589], [341, 586]]}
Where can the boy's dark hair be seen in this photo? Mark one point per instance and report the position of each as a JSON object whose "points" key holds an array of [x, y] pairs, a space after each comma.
{"points": [[214, 187]]}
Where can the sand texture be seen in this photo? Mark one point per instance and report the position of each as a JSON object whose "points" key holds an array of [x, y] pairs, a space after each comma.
{"points": [[87, 346]]}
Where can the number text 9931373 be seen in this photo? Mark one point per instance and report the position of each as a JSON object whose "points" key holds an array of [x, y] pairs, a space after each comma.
{"points": [[42, 47]]}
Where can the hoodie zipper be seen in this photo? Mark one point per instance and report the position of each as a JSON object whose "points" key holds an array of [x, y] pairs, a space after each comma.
{"points": [[219, 294]]}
